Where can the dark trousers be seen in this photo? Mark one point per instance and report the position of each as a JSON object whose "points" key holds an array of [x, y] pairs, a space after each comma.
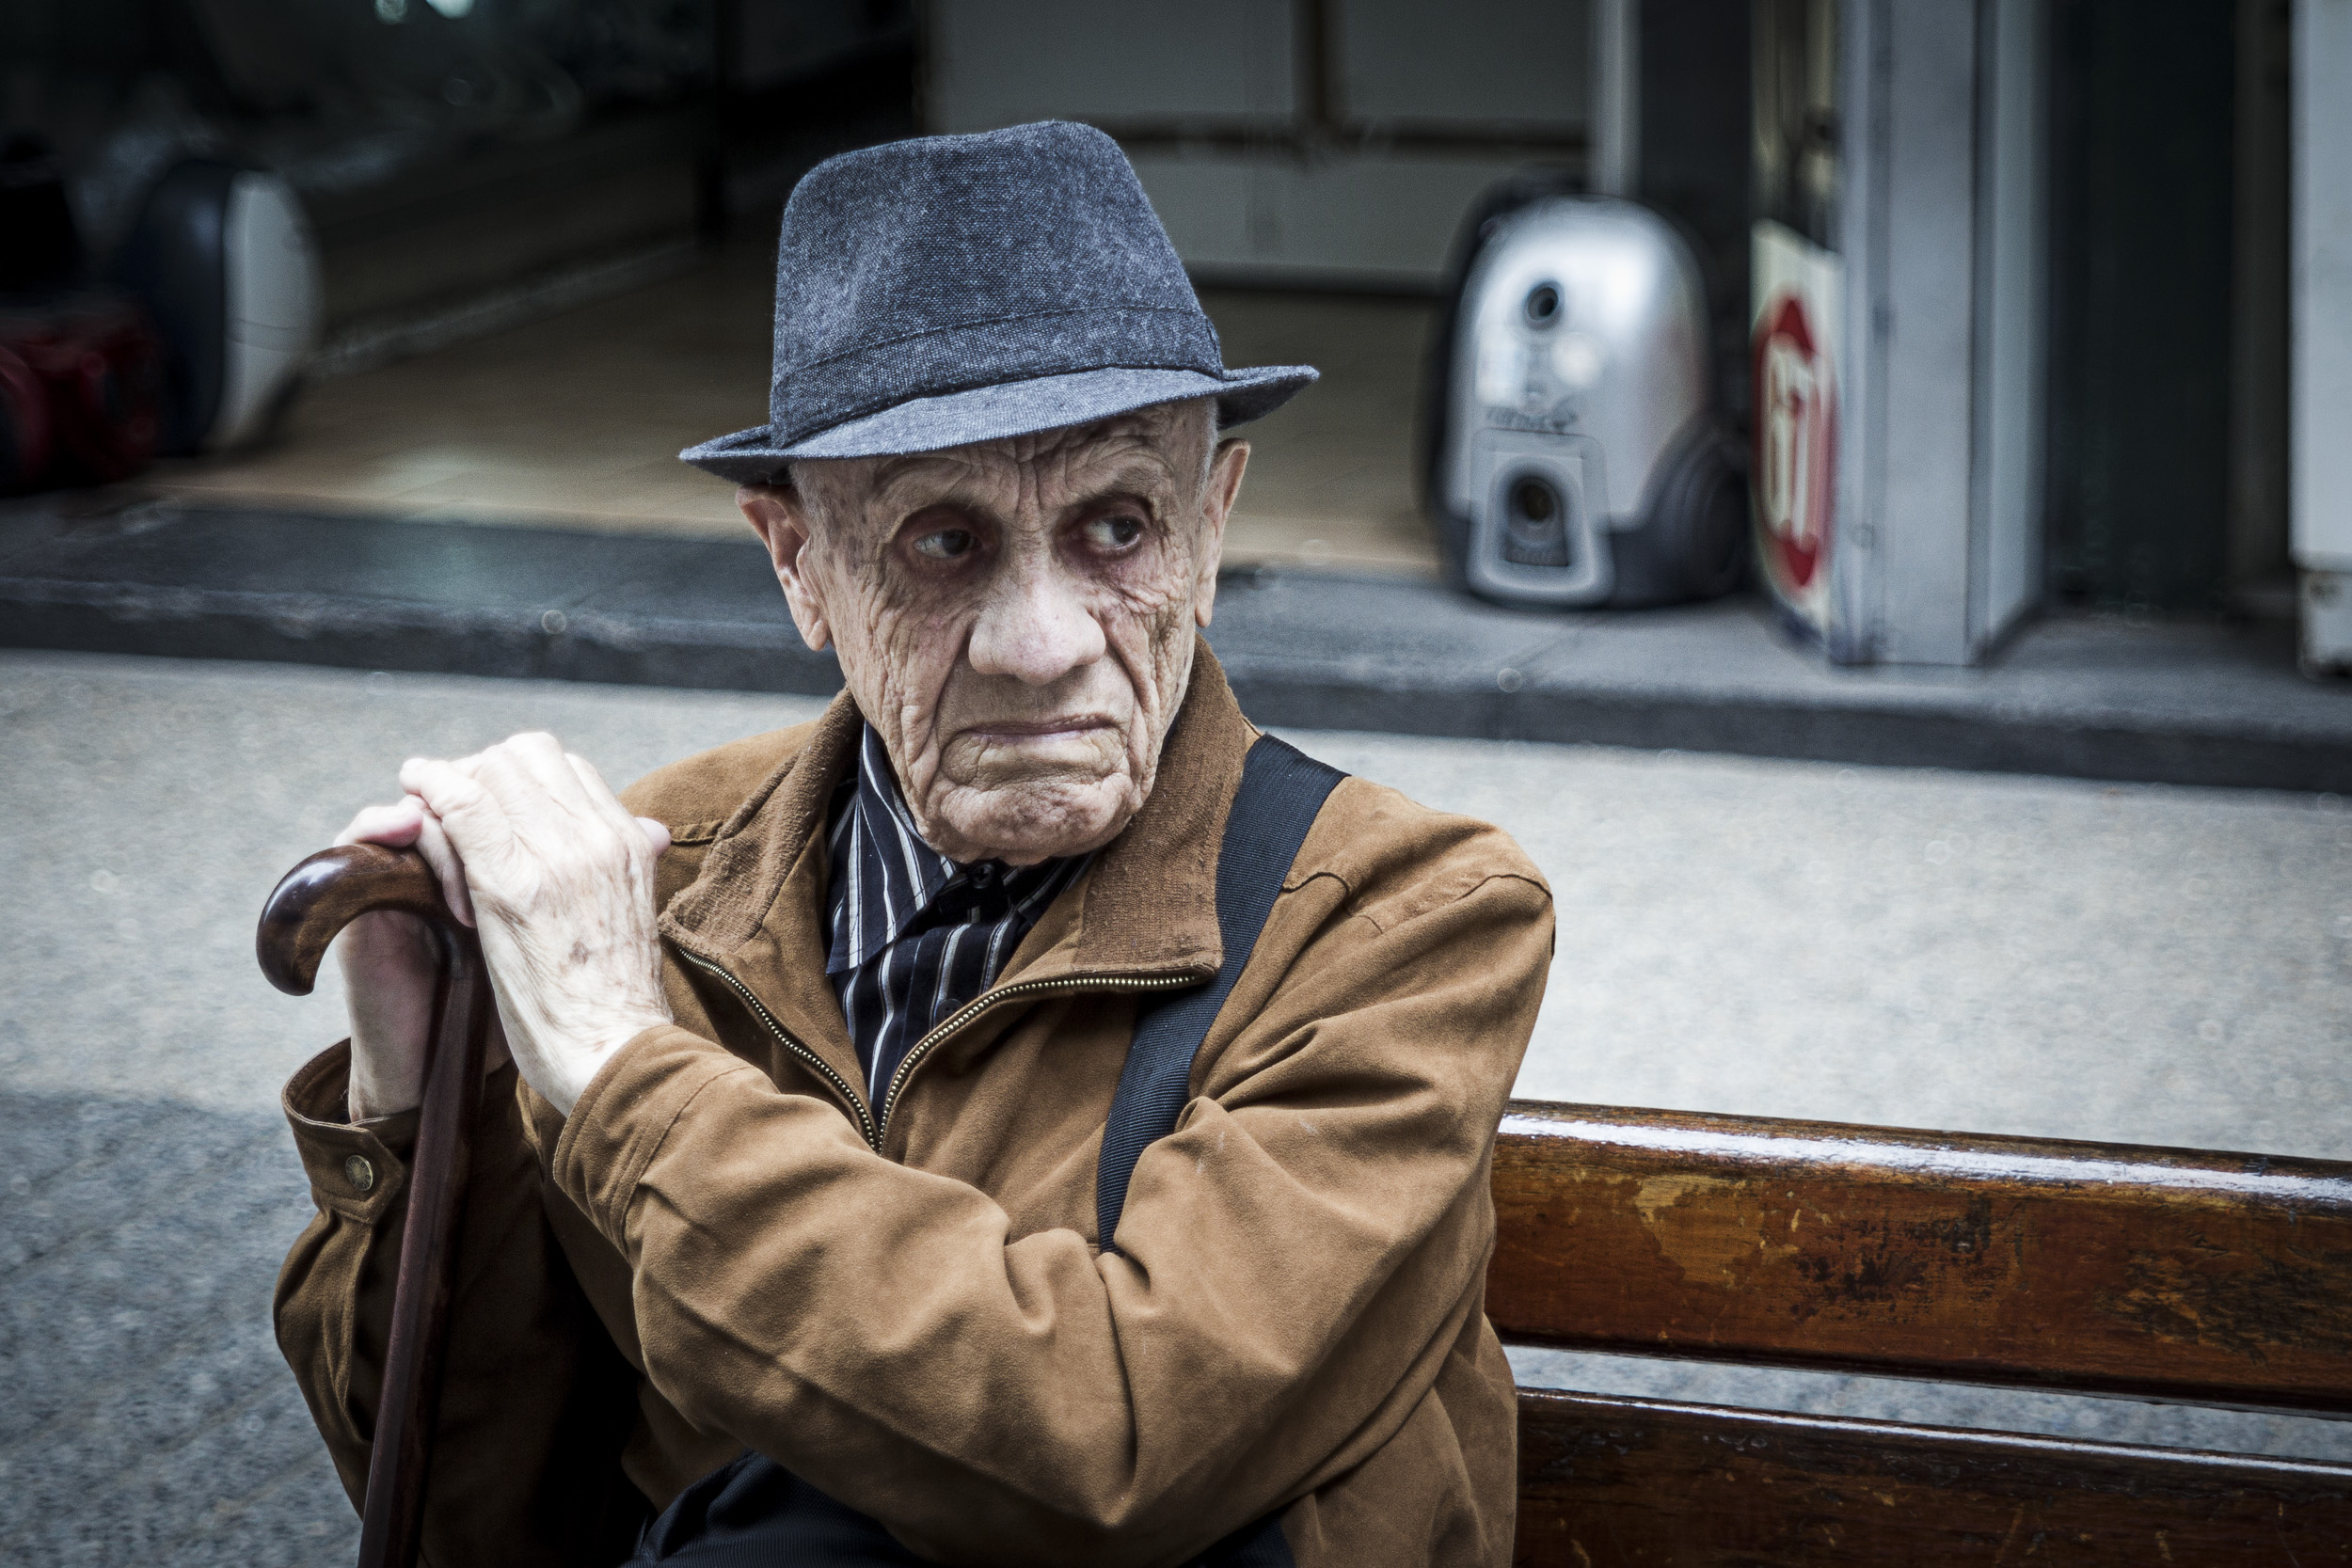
{"points": [[756, 1514]]}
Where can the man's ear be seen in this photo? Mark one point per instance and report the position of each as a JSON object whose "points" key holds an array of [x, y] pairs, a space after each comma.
{"points": [[1216, 505], [779, 517]]}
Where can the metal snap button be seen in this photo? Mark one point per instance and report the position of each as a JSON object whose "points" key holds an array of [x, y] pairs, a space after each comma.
{"points": [[359, 1173]]}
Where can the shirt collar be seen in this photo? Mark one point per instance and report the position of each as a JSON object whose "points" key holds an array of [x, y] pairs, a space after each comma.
{"points": [[891, 874]]}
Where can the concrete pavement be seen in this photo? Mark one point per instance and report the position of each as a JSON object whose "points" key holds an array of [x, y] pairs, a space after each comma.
{"points": [[1990, 953]]}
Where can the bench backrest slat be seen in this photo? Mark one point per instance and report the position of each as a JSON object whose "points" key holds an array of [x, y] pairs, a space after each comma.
{"points": [[1614, 1483], [2098, 1267]]}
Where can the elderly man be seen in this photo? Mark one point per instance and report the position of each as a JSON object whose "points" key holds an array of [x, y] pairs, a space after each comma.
{"points": [[1024, 1116]]}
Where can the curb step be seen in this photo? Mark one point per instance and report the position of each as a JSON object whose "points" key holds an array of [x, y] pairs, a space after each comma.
{"points": [[2085, 697]]}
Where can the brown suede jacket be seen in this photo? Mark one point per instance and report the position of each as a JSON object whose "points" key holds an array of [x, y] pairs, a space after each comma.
{"points": [[728, 1245]]}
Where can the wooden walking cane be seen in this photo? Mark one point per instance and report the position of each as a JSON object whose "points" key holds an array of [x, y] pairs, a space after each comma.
{"points": [[314, 901]]}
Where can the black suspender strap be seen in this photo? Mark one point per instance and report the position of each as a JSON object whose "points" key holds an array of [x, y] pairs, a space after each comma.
{"points": [[1282, 791]]}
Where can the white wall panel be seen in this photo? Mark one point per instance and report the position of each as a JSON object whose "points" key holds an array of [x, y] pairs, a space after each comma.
{"points": [[1258, 172], [1349, 219], [991, 63], [1492, 65]]}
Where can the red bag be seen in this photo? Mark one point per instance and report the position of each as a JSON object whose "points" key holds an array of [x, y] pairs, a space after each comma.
{"points": [[81, 388]]}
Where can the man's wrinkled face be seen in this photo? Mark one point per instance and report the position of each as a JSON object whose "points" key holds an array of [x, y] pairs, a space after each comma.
{"points": [[1015, 619]]}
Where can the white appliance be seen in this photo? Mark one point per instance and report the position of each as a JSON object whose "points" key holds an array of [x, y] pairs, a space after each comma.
{"points": [[1580, 464]]}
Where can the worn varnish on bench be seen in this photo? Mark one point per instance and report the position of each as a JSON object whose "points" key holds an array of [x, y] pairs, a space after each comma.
{"points": [[2097, 1268]]}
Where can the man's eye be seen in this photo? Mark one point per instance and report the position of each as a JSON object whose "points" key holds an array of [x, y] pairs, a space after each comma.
{"points": [[1114, 533], [948, 543]]}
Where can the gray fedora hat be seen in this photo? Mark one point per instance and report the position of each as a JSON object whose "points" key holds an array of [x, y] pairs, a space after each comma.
{"points": [[958, 289]]}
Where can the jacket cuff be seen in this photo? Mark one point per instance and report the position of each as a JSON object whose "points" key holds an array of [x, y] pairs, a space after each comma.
{"points": [[356, 1170], [621, 1120]]}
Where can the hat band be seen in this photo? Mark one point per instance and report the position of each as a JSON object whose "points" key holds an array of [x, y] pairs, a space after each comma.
{"points": [[805, 400]]}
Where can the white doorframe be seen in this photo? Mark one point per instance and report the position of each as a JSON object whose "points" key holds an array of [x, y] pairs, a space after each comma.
{"points": [[2320, 329]]}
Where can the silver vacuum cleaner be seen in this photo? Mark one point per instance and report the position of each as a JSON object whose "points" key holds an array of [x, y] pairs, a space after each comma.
{"points": [[1578, 462]]}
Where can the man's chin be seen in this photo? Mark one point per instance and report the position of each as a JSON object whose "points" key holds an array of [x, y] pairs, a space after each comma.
{"points": [[1026, 820]]}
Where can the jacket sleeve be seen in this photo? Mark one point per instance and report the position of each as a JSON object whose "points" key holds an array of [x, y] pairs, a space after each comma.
{"points": [[1294, 1261], [535, 1402]]}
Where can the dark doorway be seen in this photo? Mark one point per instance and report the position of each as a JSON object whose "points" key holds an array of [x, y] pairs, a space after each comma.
{"points": [[2141, 303]]}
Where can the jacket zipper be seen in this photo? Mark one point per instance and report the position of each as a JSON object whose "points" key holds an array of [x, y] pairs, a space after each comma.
{"points": [[987, 999], [849, 1097], [867, 1124]]}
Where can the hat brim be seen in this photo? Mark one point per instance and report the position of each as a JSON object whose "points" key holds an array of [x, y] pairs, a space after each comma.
{"points": [[994, 413]]}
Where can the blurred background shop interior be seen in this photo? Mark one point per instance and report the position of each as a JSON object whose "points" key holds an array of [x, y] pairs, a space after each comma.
{"points": [[494, 261]]}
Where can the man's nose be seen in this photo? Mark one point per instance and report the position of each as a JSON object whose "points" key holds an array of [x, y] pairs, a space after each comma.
{"points": [[1035, 625]]}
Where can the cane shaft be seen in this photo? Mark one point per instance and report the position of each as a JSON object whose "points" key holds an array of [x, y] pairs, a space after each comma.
{"points": [[403, 1451]]}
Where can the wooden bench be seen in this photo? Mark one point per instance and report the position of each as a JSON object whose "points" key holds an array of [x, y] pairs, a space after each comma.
{"points": [[2150, 1273]]}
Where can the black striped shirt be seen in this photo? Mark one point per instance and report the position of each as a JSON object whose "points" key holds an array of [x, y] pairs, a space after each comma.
{"points": [[915, 934]]}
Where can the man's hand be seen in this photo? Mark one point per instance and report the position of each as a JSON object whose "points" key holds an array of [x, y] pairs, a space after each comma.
{"points": [[538, 854], [390, 969], [561, 879]]}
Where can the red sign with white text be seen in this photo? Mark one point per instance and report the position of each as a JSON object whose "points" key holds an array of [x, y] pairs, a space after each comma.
{"points": [[1793, 345]]}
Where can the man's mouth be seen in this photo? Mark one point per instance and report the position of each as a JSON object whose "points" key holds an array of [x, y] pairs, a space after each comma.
{"points": [[1016, 731]]}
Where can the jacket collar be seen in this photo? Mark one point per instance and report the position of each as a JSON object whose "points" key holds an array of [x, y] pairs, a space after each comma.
{"points": [[1146, 907]]}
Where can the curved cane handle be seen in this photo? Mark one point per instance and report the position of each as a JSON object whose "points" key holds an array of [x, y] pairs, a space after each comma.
{"points": [[314, 902]]}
